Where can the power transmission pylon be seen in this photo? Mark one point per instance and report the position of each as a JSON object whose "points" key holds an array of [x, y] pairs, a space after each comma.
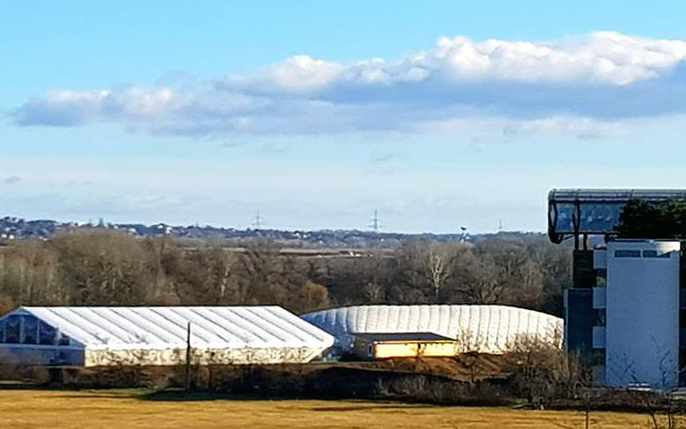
{"points": [[375, 222], [258, 221]]}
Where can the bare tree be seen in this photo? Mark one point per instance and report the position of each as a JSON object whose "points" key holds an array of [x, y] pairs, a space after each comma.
{"points": [[106, 267], [439, 267], [475, 280], [538, 366]]}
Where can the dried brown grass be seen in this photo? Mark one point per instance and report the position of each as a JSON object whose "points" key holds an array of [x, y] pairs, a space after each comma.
{"points": [[111, 409]]}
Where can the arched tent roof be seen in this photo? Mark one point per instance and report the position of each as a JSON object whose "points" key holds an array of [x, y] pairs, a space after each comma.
{"points": [[481, 328]]}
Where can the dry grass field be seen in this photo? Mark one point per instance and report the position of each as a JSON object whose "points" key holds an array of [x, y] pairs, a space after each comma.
{"points": [[37, 409]]}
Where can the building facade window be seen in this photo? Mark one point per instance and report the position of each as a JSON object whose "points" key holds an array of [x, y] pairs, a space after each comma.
{"points": [[654, 254], [601, 277], [30, 327], [627, 253], [598, 357], [13, 329], [599, 316], [46, 334]]}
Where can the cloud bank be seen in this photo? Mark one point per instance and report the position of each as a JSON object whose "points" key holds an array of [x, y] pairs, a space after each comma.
{"points": [[604, 77]]}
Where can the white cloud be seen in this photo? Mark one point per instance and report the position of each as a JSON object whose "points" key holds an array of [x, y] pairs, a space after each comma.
{"points": [[299, 74], [567, 85], [491, 127], [602, 57]]}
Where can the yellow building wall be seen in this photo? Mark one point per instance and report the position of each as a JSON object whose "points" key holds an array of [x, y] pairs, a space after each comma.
{"points": [[415, 349]]}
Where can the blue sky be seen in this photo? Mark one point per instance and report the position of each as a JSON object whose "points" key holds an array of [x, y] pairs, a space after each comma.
{"points": [[438, 114]]}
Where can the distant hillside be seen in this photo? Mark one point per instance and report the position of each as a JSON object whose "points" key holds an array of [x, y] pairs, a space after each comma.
{"points": [[13, 228]]}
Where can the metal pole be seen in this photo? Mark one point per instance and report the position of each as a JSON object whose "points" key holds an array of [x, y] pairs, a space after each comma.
{"points": [[188, 357]]}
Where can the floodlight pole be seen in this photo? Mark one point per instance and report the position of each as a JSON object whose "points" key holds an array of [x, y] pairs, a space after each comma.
{"points": [[188, 357]]}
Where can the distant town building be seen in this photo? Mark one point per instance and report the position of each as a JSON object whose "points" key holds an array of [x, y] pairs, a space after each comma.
{"points": [[21, 229]]}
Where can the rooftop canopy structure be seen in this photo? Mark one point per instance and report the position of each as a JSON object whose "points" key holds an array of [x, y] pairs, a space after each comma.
{"points": [[478, 328], [95, 336], [583, 212]]}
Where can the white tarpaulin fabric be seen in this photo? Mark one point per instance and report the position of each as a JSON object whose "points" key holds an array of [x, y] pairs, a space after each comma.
{"points": [[480, 328], [157, 335]]}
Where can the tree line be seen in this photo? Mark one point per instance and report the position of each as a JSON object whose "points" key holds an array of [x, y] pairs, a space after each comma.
{"points": [[101, 267], [640, 219]]}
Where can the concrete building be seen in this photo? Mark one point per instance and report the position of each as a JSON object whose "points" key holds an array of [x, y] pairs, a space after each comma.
{"points": [[624, 311], [372, 346], [639, 338]]}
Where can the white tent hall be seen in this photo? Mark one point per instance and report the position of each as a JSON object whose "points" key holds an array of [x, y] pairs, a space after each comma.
{"points": [[96, 336]]}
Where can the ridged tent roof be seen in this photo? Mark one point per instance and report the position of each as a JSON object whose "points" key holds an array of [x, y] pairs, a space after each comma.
{"points": [[483, 328], [166, 327]]}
